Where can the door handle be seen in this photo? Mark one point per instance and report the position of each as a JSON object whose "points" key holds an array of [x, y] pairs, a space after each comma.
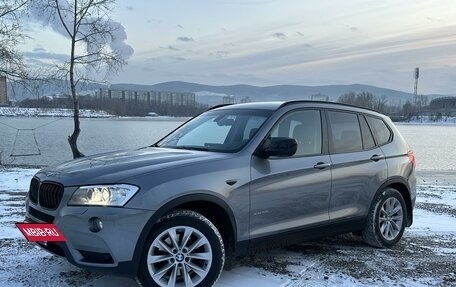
{"points": [[322, 165], [376, 157]]}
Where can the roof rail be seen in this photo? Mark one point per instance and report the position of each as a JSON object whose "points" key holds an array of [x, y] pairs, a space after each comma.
{"points": [[325, 102], [219, 106]]}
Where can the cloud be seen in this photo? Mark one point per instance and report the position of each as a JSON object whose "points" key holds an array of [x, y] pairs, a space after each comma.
{"points": [[117, 43], [180, 59], [147, 69], [156, 21], [250, 2], [220, 54], [39, 49], [279, 35], [169, 47], [185, 39], [42, 54], [351, 28], [130, 8], [435, 20], [431, 49]]}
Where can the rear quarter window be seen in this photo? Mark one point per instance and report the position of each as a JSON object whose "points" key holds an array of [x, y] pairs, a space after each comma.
{"points": [[382, 133], [368, 139]]}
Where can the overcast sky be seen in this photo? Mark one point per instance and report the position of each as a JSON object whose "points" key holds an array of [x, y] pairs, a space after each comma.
{"points": [[267, 42]]}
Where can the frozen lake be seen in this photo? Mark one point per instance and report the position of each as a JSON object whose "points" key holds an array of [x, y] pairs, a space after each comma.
{"points": [[434, 145]]}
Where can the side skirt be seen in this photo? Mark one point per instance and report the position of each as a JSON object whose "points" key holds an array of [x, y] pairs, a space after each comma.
{"points": [[295, 236]]}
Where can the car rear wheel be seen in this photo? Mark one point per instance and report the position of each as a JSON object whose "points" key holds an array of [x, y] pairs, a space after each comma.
{"points": [[185, 249], [386, 220]]}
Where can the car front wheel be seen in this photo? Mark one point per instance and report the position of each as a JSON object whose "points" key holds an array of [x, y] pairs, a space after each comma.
{"points": [[184, 249], [386, 220]]}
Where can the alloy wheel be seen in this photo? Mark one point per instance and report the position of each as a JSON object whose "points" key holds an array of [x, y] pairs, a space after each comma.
{"points": [[391, 218], [179, 256]]}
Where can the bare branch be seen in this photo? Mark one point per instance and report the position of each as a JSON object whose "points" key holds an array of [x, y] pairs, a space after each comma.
{"points": [[59, 12], [84, 12], [11, 60], [6, 10]]}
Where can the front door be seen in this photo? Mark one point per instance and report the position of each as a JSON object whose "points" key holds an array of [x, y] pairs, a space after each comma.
{"points": [[293, 192]]}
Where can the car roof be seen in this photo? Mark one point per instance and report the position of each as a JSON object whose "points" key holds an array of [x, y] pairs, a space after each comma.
{"points": [[254, 105], [299, 103]]}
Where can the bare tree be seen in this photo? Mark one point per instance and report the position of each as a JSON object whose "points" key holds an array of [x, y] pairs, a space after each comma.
{"points": [[408, 110], [348, 98], [365, 99], [91, 33], [11, 61], [380, 104]]}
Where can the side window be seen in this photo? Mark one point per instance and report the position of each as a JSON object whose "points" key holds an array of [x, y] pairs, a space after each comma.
{"points": [[305, 127], [368, 139], [346, 134], [381, 131]]}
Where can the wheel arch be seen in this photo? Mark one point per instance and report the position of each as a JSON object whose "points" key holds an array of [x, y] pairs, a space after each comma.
{"points": [[210, 206], [402, 186]]}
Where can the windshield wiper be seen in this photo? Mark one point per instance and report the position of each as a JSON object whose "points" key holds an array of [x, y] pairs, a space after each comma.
{"points": [[189, 147]]}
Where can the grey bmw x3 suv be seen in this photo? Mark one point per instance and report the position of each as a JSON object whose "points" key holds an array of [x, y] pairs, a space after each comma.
{"points": [[233, 179]]}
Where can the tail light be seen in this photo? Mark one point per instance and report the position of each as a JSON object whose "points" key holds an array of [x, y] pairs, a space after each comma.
{"points": [[412, 158]]}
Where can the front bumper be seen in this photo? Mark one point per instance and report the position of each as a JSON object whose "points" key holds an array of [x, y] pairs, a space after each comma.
{"points": [[110, 250]]}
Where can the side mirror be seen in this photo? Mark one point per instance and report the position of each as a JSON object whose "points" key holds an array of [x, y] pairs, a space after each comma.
{"points": [[278, 146]]}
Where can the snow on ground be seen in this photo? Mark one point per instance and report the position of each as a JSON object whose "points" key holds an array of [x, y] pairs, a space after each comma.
{"points": [[432, 120], [426, 255], [57, 112]]}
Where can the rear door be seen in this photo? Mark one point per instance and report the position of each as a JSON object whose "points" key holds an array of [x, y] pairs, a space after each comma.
{"points": [[293, 192], [358, 166]]}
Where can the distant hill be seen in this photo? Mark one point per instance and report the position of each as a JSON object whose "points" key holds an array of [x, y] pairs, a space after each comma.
{"points": [[270, 93], [36, 89], [211, 95]]}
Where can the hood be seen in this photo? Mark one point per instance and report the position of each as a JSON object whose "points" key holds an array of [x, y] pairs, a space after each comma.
{"points": [[114, 167]]}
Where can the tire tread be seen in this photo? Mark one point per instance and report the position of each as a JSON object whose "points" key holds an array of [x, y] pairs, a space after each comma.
{"points": [[189, 214], [369, 233]]}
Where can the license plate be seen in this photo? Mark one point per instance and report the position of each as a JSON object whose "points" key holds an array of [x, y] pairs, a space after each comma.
{"points": [[40, 232]]}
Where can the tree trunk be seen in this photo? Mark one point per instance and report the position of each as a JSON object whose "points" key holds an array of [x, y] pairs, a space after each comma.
{"points": [[73, 139]]}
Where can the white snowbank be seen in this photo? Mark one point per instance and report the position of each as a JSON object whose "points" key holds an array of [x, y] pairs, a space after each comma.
{"points": [[431, 120], [42, 112]]}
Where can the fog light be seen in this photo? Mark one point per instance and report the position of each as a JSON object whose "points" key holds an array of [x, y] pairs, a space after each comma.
{"points": [[95, 224]]}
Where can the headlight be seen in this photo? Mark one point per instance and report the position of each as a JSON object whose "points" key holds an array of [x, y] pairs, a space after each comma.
{"points": [[103, 195]]}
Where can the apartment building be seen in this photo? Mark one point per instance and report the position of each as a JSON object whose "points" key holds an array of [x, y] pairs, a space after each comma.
{"points": [[3, 92], [150, 97]]}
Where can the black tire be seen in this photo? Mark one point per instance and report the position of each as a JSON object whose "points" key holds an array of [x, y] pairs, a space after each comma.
{"points": [[377, 233], [182, 260]]}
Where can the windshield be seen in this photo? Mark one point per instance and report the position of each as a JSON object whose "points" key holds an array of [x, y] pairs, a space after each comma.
{"points": [[222, 131]]}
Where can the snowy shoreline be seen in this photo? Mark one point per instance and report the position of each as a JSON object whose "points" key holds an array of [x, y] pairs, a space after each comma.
{"points": [[84, 113], [44, 112], [429, 120]]}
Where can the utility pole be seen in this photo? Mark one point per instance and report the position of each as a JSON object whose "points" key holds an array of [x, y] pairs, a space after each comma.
{"points": [[415, 91]]}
